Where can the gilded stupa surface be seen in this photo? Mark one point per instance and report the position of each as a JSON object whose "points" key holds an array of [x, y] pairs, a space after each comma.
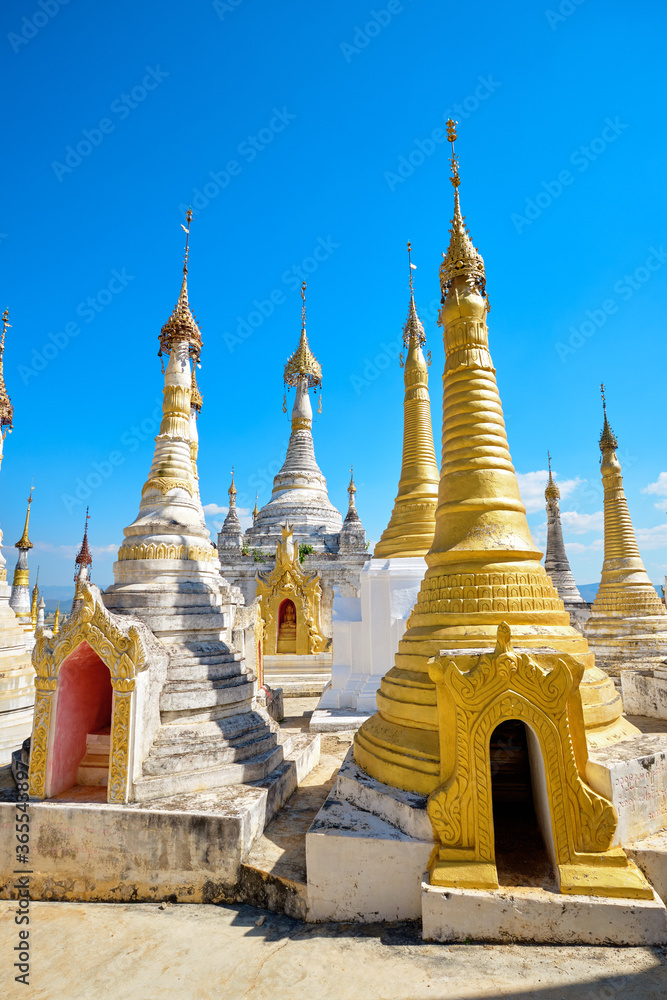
{"points": [[412, 523], [483, 568], [628, 623]]}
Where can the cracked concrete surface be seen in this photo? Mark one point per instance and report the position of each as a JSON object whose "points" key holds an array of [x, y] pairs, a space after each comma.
{"points": [[105, 951]]}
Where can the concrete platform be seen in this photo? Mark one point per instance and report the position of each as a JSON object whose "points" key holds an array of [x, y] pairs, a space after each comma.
{"points": [[336, 720], [184, 848], [539, 916], [298, 676], [651, 856]]}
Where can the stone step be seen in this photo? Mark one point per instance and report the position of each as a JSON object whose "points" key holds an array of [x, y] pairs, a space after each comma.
{"points": [[183, 697], [252, 770], [93, 769], [273, 872], [99, 742], [224, 753], [209, 671], [234, 727]]}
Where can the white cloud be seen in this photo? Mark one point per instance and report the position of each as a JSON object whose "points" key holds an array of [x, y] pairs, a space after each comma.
{"points": [[575, 523], [213, 508], [532, 485], [652, 538], [659, 487], [576, 547]]}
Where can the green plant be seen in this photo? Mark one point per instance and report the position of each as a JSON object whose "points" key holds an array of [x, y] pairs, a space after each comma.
{"points": [[305, 550], [257, 555], [245, 551]]}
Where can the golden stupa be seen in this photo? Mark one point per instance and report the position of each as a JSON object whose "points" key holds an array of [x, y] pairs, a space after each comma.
{"points": [[412, 523], [483, 567]]}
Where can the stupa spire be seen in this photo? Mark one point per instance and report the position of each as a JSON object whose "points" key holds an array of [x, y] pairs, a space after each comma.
{"points": [[255, 510], [483, 567], [33, 603], [625, 588], [299, 493], [20, 597], [170, 527], [6, 408], [82, 564], [412, 522], [556, 562], [231, 533]]}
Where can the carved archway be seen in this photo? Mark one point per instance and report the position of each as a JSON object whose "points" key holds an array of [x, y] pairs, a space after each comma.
{"points": [[121, 650], [475, 694]]}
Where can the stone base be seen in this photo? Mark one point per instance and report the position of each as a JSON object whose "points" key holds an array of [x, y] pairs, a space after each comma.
{"points": [[298, 676], [633, 774], [271, 700], [627, 643], [651, 856], [187, 848], [538, 916], [367, 631], [645, 693], [336, 720]]}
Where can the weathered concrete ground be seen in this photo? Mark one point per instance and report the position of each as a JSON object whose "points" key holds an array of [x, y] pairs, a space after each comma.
{"points": [[106, 951], [101, 951]]}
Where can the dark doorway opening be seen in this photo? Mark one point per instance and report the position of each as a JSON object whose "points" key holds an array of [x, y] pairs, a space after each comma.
{"points": [[521, 856]]}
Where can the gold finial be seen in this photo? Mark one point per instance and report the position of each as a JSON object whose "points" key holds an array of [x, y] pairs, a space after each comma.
{"points": [[56, 620], [182, 324], [24, 542], [232, 491], [454, 160], [196, 398], [6, 408], [607, 441], [33, 604], [411, 267], [303, 363], [462, 257], [186, 230], [255, 510], [551, 492]]}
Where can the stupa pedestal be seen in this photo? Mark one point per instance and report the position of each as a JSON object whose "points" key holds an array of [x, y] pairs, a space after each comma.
{"points": [[627, 629], [645, 692], [491, 722], [366, 634], [17, 677]]}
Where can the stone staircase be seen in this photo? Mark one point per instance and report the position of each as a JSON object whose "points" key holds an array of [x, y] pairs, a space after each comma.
{"points": [[94, 767], [212, 734]]}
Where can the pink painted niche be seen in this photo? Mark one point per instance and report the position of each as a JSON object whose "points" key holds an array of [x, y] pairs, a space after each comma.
{"points": [[84, 701]]}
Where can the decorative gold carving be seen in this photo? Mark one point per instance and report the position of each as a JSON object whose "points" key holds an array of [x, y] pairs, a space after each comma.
{"points": [[542, 691], [164, 484], [287, 580], [120, 742], [122, 651], [199, 553], [303, 364], [38, 743]]}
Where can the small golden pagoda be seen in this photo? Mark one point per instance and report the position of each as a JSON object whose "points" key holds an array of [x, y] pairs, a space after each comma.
{"points": [[628, 622], [412, 523], [457, 676]]}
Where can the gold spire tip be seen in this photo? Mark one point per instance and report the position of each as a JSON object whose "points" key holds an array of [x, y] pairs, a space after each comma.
{"points": [[411, 267], [186, 230], [454, 160], [303, 306]]}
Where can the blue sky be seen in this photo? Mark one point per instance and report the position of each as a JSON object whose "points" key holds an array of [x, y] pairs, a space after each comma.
{"points": [[307, 137]]}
